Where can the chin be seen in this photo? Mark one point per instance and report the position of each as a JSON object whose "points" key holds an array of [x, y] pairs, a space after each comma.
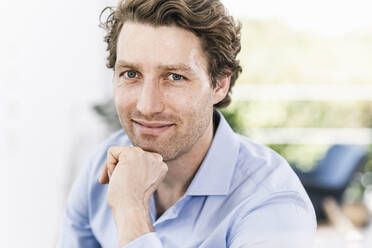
{"points": [[166, 153], [148, 147]]}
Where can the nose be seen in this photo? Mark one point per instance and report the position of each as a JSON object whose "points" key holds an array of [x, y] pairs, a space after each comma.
{"points": [[150, 101]]}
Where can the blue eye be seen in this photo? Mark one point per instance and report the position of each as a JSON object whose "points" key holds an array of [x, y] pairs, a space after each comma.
{"points": [[131, 74], [175, 77]]}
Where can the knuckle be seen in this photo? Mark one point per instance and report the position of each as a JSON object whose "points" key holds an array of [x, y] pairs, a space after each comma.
{"points": [[137, 149], [109, 151], [158, 156], [111, 148], [164, 166]]}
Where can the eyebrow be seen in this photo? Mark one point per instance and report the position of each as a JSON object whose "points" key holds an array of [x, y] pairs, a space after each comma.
{"points": [[171, 67], [123, 63], [176, 67]]}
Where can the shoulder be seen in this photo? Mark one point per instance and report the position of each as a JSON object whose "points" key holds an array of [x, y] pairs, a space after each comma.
{"points": [[87, 197], [262, 178], [269, 197], [265, 168]]}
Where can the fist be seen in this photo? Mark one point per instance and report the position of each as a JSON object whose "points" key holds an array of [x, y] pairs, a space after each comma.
{"points": [[133, 175]]}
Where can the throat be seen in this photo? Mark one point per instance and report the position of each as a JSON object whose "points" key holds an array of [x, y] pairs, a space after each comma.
{"points": [[164, 201]]}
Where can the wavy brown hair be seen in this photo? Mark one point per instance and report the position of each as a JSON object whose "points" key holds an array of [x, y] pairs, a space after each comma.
{"points": [[207, 19]]}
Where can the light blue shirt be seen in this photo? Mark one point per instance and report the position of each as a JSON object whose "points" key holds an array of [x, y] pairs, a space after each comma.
{"points": [[243, 195]]}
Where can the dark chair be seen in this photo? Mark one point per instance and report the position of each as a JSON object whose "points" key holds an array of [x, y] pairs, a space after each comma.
{"points": [[332, 174]]}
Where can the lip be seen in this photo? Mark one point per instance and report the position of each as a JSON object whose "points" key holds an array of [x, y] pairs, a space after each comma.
{"points": [[152, 128]]}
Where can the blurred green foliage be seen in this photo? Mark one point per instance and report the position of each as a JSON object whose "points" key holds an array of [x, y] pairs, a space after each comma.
{"points": [[272, 52]]}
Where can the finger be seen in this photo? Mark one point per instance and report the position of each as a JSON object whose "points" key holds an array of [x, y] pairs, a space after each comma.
{"points": [[163, 171], [115, 151], [104, 177], [155, 155], [109, 174], [112, 159]]}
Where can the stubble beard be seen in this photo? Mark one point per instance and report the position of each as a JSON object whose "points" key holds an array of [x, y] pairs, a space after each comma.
{"points": [[185, 136]]}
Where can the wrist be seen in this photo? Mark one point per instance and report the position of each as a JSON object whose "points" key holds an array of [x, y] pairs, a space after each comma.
{"points": [[127, 202], [129, 211], [131, 223]]}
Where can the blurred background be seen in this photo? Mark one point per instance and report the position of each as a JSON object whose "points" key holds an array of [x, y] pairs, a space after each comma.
{"points": [[305, 90]]}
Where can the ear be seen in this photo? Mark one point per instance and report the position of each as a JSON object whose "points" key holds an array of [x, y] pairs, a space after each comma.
{"points": [[221, 89]]}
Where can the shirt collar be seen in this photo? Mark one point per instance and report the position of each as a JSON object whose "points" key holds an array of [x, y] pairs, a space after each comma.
{"points": [[215, 173]]}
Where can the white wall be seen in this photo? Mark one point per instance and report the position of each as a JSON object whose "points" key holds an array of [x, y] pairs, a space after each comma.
{"points": [[52, 73]]}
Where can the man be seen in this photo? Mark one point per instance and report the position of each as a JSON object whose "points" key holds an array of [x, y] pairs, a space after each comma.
{"points": [[177, 175]]}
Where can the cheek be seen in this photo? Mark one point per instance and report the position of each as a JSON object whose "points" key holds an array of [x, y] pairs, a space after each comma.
{"points": [[123, 100], [188, 101], [124, 93]]}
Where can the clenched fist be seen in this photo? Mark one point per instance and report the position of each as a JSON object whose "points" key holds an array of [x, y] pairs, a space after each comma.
{"points": [[133, 175]]}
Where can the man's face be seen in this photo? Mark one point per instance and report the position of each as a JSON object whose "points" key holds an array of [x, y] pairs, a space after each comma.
{"points": [[163, 93]]}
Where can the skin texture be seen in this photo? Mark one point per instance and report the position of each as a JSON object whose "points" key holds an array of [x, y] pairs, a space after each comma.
{"points": [[164, 99]]}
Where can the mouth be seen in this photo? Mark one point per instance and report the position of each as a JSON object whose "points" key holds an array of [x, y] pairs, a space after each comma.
{"points": [[152, 128]]}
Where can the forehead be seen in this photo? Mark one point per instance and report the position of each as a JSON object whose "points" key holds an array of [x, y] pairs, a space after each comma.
{"points": [[162, 45]]}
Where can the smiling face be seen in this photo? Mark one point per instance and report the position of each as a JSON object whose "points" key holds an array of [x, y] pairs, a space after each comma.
{"points": [[163, 93]]}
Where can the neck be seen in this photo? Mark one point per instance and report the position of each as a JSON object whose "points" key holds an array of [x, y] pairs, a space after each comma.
{"points": [[182, 170]]}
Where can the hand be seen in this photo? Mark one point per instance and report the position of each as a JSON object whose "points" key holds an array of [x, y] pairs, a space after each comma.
{"points": [[133, 175]]}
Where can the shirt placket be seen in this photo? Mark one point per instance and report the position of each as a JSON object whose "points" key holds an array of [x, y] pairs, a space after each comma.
{"points": [[171, 213]]}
